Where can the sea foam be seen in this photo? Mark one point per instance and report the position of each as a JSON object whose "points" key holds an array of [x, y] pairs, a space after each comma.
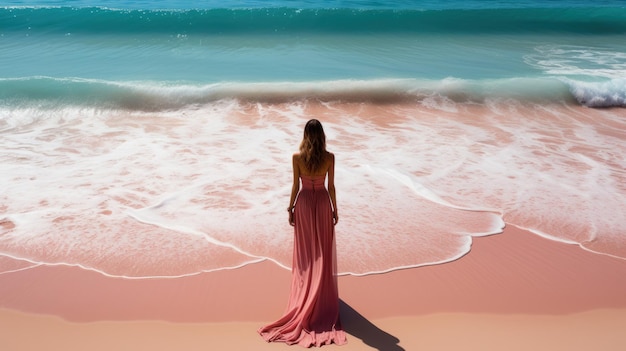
{"points": [[177, 192]]}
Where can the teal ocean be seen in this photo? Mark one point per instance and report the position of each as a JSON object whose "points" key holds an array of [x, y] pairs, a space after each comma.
{"points": [[90, 51], [125, 123]]}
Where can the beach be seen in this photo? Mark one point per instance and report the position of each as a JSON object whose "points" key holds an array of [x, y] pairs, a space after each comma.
{"points": [[514, 290], [104, 258], [145, 168]]}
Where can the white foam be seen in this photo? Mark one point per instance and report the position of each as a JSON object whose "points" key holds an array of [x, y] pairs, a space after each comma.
{"points": [[175, 193], [571, 60], [600, 94], [9, 264], [595, 75]]}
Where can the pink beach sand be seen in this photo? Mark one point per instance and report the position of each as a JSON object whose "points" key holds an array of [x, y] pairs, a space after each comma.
{"points": [[513, 291]]}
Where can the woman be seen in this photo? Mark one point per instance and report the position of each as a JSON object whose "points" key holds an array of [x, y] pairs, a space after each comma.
{"points": [[312, 316]]}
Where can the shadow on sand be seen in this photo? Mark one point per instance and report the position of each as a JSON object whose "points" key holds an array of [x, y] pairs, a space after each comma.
{"points": [[358, 326]]}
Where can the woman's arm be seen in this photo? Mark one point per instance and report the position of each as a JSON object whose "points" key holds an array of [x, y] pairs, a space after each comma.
{"points": [[295, 187], [331, 187]]}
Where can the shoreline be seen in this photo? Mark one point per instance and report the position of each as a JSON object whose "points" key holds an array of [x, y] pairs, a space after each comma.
{"points": [[508, 291]]}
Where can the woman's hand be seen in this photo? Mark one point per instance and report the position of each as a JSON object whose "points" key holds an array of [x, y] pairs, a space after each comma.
{"points": [[291, 220], [335, 217]]}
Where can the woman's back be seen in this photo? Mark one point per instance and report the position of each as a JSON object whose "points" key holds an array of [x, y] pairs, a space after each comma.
{"points": [[327, 161]]}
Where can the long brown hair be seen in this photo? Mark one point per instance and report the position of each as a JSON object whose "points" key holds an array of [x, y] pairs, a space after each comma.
{"points": [[313, 145]]}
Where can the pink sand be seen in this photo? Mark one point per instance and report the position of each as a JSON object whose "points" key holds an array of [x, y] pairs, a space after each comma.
{"points": [[513, 290]]}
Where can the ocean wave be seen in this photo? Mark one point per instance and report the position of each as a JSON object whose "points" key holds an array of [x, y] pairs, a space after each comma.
{"points": [[599, 94], [271, 20], [156, 96]]}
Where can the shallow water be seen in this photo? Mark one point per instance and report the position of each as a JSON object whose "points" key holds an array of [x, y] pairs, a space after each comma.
{"points": [[140, 151], [175, 193]]}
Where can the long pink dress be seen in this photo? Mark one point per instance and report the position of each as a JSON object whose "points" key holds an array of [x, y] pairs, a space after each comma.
{"points": [[312, 315]]}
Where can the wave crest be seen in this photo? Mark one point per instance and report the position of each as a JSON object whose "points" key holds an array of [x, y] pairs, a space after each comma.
{"points": [[162, 96], [319, 20]]}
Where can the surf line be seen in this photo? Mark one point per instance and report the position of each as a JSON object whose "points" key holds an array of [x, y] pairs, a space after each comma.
{"points": [[183, 229]]}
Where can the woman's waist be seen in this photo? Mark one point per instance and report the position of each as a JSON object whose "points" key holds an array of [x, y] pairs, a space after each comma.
{"points": [[313, 181], [313, 187]]}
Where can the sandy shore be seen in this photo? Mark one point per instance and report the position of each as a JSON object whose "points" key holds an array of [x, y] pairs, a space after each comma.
{"points": [[513, 291]]}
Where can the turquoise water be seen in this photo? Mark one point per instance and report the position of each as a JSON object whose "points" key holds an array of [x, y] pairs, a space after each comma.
{"points": [[174, 43]]}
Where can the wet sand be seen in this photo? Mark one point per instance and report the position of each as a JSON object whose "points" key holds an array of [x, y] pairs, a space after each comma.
{"points": [[514, 291]]}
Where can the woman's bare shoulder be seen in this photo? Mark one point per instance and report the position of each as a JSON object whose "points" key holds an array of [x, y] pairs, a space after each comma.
{"points": [[296, 159], [330, 156], [329, 160]]}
